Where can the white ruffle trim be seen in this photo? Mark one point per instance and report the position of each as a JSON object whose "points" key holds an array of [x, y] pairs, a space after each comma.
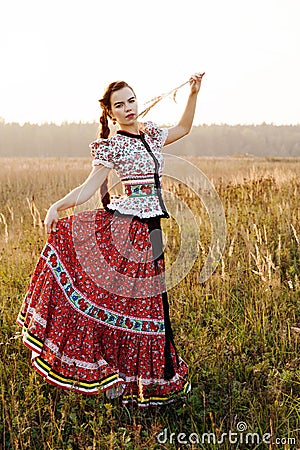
{"points": [[143, 207], [97, 162]]}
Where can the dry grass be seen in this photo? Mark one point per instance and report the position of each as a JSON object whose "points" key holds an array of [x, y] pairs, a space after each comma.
{"points": [[239, 331]]}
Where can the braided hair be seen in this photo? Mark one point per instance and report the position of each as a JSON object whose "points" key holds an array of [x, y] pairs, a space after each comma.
{"points": [[104, 128]]}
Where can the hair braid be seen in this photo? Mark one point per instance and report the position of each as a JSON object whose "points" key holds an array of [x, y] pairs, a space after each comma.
{"points": [[104, 133]]}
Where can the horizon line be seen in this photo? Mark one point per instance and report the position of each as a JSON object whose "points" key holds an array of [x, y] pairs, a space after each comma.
{"points": [[80, 122]]}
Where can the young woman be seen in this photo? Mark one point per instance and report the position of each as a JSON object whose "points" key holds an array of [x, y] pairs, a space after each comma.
{"points": [[96, 313]]}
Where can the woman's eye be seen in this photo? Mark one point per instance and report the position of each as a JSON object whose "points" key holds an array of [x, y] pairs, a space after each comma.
{"points": [[132, 100]]}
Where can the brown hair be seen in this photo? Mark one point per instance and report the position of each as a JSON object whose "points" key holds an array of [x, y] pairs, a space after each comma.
{"points": [[104, 128]]}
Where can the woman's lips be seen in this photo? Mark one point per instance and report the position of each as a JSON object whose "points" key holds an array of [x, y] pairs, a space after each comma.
{"points": [[129, 116]]}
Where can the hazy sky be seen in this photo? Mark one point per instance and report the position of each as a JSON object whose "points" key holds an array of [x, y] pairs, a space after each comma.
{"points": [[58, 56]]}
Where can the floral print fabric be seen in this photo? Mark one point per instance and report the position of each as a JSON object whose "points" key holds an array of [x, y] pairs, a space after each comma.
{"points": [[130, 159], [89, 331]]}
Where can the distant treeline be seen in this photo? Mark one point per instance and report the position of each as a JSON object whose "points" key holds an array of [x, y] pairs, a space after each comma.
{"points": [[72, 140]]}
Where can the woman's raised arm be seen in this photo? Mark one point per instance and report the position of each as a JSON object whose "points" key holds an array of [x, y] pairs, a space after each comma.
{"points": [[77, 196], [185, 124]]}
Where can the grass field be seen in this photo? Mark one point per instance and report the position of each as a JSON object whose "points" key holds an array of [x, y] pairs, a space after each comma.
{"points": [[239, 331]]}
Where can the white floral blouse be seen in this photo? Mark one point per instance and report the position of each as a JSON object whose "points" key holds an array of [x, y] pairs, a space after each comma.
{"points": [[138, 162]]}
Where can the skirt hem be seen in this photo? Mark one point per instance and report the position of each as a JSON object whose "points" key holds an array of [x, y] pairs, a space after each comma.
{"points": [[109, 385]]}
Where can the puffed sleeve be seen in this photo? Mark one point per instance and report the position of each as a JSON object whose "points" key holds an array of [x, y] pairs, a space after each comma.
{"points": [[103, 152], [156, 133]]}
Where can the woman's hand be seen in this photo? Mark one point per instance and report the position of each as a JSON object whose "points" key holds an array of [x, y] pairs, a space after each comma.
{"points": [[195, 82], [51, 219]]}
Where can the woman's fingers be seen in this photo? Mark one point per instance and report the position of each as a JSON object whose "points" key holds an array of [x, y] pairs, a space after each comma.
{"points": [[49, 226], [195, 81], [54, 224], [199, 76], [51, 220]]}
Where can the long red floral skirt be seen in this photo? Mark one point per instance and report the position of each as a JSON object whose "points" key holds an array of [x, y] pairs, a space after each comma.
{"points": [[96, 313]]}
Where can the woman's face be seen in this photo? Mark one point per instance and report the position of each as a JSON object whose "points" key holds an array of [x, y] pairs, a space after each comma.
{"points": [[124, 107]]}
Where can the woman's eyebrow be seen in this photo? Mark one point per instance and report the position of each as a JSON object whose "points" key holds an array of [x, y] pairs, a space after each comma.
{"points": [[120, 103]]}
